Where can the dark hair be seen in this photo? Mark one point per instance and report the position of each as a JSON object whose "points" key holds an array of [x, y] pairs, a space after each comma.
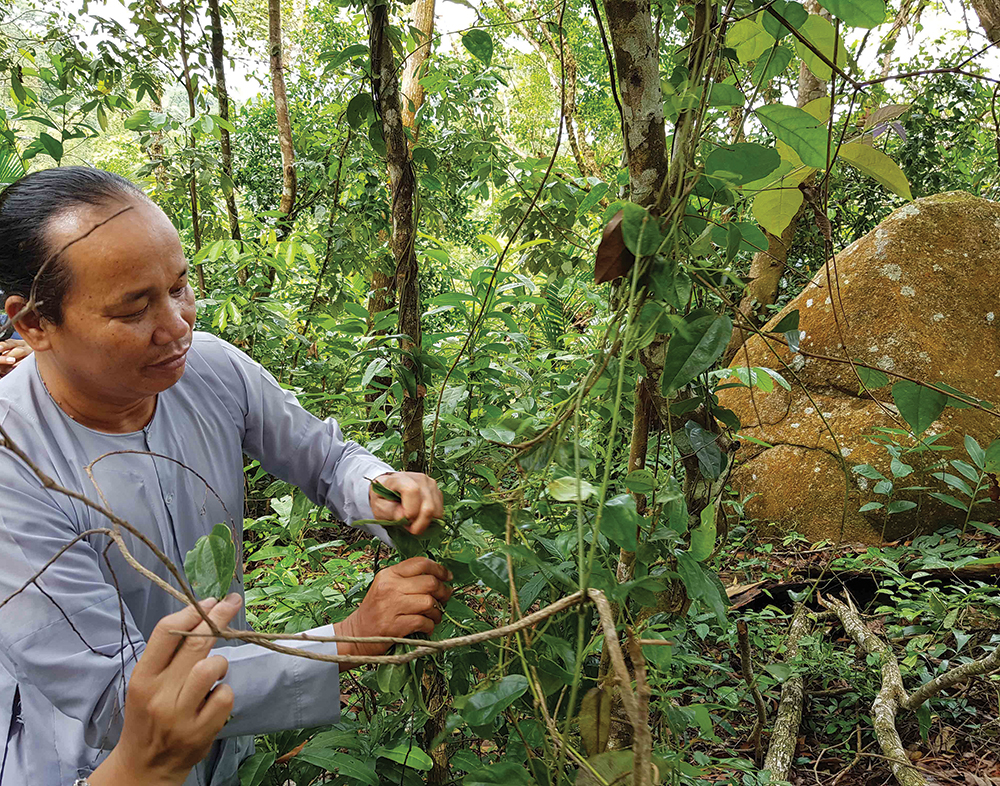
{"points": [[27, 208]]}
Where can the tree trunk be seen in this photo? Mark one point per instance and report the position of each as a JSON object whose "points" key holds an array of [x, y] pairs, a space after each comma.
{"points": [[422, 19], [226, 152], [189, 89], [288, 182], [988, 12], [402, 185], [637, 63]]}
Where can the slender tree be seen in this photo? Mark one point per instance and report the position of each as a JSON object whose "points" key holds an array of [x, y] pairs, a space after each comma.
{"points": [[288, 179], [402, 186], [222, 96]]}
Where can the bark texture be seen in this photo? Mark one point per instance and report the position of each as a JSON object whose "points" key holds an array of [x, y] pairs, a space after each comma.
{"points": [[422, 19], [637, 63], [402, 185], [222, 96], [193, 186], [988, 12], [786, 724], [288, 180]]}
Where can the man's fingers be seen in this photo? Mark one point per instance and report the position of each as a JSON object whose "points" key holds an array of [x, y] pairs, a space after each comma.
{"points": [[218, 707], [426, 584], [414, 623], [424, 605], [200, 680], [415, 566], [163, 644], [196, 648]]}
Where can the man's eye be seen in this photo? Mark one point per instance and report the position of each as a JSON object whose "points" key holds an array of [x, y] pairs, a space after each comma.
{"points": [[136, 314]]}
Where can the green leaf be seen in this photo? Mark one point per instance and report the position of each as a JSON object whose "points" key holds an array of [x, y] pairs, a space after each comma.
{"points": [[726, 95], [749, 38], [791, 12], [504, 773], [210, 565], [976, 453], [359, 109], [597, 193], [52, 146], [254, 770], [992, 463], [802, 132], [699, 586], [918, 406], [693, 350], [711, 459], [877, 165], [407, 755], [769, 66], [640, 230], [776, 207], [703, 536], [901, 505], [483, 706], [788, 322], [640, 481], [780, 671], [386, 493], [566, 489], [857, 13], [820, 33], [480, 45], [870, 506], [497, 434], [873, 379], [620, 522], [392, 677], [743, 162], [137, 119], [595, 720], [343, 764]]}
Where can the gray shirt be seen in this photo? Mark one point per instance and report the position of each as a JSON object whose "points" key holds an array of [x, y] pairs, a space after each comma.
{"points": [[66, 653]]}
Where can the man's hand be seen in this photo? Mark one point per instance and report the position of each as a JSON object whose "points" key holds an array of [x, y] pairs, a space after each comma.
{"points": [[406, 598], [421, 500], [173, 711], [12, 352]]}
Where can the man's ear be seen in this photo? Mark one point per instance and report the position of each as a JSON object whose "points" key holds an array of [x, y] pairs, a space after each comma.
{"points": [[33, 329]]}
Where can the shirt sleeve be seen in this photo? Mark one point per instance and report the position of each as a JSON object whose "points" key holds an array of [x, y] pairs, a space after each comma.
{"points": [[298, 447]]}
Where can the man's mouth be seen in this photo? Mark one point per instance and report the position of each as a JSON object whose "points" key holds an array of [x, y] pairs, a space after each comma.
{"points": [[172, 362]]}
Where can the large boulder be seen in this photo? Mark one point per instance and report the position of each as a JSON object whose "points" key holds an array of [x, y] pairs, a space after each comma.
{"points": [[918, 296]]}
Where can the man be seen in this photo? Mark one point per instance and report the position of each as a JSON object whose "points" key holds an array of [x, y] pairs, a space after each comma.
{"points": [[120, 388]]}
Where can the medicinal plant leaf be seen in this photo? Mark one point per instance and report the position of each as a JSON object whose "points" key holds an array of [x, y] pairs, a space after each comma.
{"points": [[877, 165], [919, 406], [210, 565], [743, 162], [749, 38], [791, 12], [620, 522], [806, 135], [693, 349], [567, 489], [483, 706], [480, 45], [776, 207], [343, 764], [504, 773], [703, 536], [640, 230], [822, 35], [857, 13], [254, 770], [408, 755]]}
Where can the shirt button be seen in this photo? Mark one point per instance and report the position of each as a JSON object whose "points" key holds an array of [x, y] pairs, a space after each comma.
{"points": [[169, 498]]}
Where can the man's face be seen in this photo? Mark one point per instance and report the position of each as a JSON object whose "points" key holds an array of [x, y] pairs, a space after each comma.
{"points": [[129, 310]]}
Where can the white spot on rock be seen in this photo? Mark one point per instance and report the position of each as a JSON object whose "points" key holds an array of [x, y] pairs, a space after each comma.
{"points": [[990, 317], [907, 210], [886, 363], [891, 271], [815, 469], [936, 268], [795, 425], [937, 317], [907, 291], [809, 303], [797, 362], [809, 410], [845, 452]]}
